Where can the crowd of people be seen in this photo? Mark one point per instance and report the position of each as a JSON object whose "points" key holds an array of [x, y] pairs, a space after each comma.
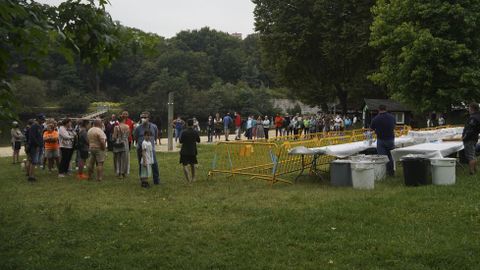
{"points": [[255, 127], [53, 145], [67, 146]]}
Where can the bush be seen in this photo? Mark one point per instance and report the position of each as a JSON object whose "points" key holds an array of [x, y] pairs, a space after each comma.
{"points": [[75, 102]]}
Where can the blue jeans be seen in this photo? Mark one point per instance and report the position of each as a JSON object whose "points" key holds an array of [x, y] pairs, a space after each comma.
{"points": [[155, 172], [383, 148], [178, 132]]}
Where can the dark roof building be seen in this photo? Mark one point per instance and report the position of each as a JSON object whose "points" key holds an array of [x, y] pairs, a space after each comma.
{"points": [[403, 115]]}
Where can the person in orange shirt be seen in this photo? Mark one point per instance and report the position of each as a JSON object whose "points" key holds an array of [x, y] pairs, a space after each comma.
{"points": [[52, 146], [278, 125]]}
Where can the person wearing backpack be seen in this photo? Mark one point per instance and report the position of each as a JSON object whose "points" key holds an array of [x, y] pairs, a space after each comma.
{"points": [[121, 152]]}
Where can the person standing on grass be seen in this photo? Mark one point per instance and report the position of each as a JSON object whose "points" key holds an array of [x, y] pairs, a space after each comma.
{"points": [[66, 137], [35, 143], [17, 138], [147, 158], [131, 125], [470, 136], [83, 147], [384, 126], [227, 121], [138, 134], [97, 140], [121, 153], [52, 146], [188, 153]]}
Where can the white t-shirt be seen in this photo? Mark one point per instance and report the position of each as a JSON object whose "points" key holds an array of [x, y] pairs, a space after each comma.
{"points": [[148, 148]]}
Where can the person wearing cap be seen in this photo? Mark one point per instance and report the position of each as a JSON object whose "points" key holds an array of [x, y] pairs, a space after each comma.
{"points": [[17, 138], [188, 153], [35, 146], [138, 135]]}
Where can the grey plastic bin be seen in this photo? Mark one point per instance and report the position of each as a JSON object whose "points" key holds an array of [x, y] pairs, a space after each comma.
{"points": [[341, 173]]}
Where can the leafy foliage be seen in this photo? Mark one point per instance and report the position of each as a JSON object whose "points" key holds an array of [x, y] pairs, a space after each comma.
{"points": [[430, 51], [29, 92], [319, 48]]}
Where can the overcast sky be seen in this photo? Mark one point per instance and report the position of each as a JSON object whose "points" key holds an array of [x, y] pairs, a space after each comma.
{"points": [[168, 17]]}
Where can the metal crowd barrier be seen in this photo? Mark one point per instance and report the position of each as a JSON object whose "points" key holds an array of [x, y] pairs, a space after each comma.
{"points": [[270, 161]]}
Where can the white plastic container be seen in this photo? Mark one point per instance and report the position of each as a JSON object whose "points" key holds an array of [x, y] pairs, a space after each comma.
{"points": [[379, 166], [443, 171], [379, 163], [363, 175]]}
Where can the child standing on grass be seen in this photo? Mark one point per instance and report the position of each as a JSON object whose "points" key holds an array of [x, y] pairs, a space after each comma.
{"points": [[147, 159]]}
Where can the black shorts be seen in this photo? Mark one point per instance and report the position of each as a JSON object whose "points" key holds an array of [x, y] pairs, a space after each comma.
{"points": [[17, 145], [188, 160]]}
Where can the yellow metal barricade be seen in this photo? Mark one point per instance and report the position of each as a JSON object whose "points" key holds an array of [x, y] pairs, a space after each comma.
{"points": [[254, 159]]}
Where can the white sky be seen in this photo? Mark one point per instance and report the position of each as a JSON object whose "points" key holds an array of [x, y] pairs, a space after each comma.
{"points": [[168, 17]]}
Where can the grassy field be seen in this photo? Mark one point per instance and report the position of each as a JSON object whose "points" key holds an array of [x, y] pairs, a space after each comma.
{"points": [[233, 223]]}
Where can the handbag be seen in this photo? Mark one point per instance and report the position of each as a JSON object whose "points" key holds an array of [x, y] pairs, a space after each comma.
{"points": [[119, 146]]}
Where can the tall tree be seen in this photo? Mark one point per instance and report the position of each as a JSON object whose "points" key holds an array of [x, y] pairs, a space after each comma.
{"points": [[25, 36], [430, 51], [91, 33], [319, 48]]}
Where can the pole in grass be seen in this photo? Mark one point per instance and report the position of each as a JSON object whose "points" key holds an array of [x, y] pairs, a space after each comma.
{"points": [[170, 120]]}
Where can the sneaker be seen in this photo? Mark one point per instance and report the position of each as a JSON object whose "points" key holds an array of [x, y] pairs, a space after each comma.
{"points": [[145, 185], [32, 179], [61, 175], [82, 176]]}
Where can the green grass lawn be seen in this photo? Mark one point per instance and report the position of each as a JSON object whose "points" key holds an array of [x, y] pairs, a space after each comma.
{"points": [[233, 223]]}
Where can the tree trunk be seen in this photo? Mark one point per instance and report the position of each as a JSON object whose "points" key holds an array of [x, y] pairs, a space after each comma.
{"points": [[342, 95]]}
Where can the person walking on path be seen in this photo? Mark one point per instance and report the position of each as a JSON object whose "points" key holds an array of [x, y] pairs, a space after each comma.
{"points": [[238, 126], [17, 138], [97, 146], [266, 126], [66, 137], [278, 125], [138, 134], [227, 121], [470, 136], [218, 123], [260, 132], [188, 152], [178, 125], [384, 126], [121, 152]]}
